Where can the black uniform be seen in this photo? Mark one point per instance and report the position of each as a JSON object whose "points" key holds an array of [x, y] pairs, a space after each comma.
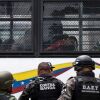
{"points": [[42, 88], [81, 88], [84, 86], [87, 88]]}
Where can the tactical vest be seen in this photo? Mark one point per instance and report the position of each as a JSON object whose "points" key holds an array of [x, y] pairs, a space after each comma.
{"points": [[48, 89], [87, 88]]}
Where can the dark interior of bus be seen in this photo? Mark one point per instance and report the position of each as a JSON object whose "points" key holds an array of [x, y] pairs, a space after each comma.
{"points": [[49, 28]]}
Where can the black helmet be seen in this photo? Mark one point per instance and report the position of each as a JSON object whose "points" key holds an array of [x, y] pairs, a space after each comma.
{"points": [[83, 61], [6, 80]]}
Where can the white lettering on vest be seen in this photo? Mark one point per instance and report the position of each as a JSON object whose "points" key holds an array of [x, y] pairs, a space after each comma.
{"points": [[90, 87], [47, 86]]}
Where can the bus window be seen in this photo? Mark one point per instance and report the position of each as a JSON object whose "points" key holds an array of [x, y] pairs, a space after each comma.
{"points": [[40, 28], [70, 27], [60, 34], [15, 26]]}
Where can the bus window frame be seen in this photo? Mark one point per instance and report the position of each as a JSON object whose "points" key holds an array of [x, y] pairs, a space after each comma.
{"points": [[69, 53]]}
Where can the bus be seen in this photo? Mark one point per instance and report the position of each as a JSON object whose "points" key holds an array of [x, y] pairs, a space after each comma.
{"points": [[56, 31]]}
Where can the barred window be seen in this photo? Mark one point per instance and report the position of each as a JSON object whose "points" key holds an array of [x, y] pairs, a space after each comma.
{"points": [[70, 26], [44, 27], [15, 26]]}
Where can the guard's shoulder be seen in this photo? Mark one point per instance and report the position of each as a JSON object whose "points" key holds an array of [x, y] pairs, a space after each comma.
{"points": [[57, 80], [31, 84], [71, 82], [54, 78]]}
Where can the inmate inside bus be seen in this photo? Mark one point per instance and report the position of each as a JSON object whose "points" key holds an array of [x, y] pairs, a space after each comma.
{"points": [[71, 26], [49, 27]]}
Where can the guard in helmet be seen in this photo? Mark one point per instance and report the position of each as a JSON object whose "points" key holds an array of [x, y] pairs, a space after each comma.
{"points": [[44, 86], [6, 80], [84, 86]]}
